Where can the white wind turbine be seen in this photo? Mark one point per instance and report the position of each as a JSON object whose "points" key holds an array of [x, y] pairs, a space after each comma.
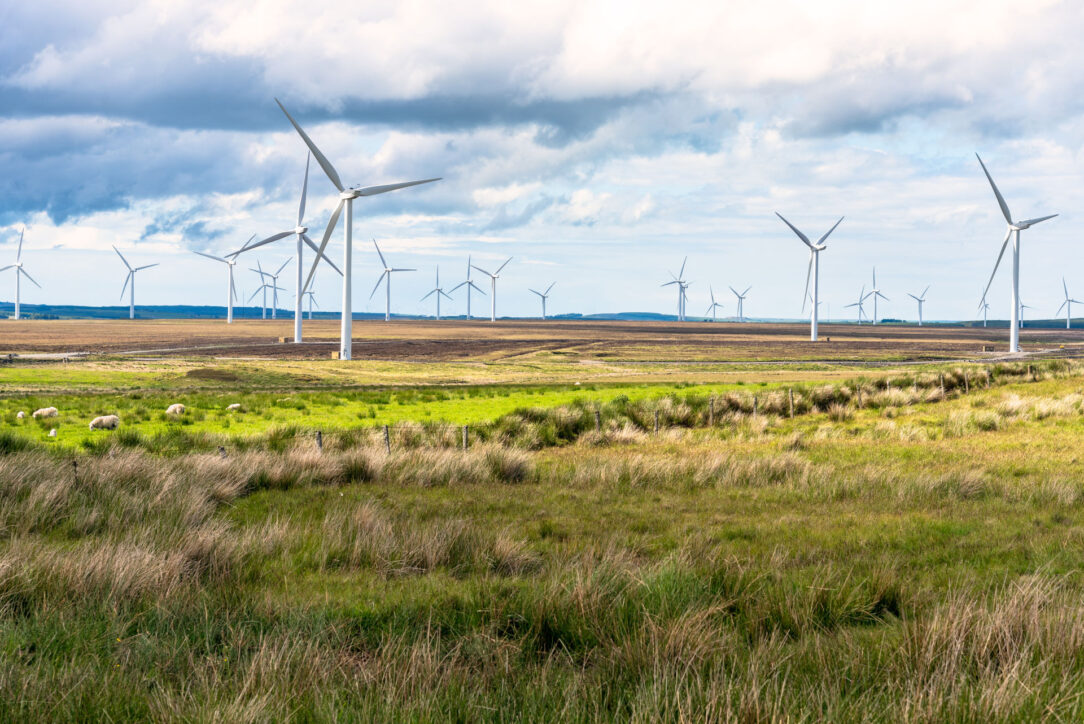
{"points": [[1022, 308], [230, 260], [921, 299], [493, 287], [543, 297], [715, 305], [1015, 227], [469, 285], [682, 286], [439, 291], [299, 231], [862, 297], [346, 198], [385, 277], [985, 307], [130, 278], [1068, 304], [312, 301], [814, 271], [875, 292], [741, 302], [273, 286], [20, 272]]}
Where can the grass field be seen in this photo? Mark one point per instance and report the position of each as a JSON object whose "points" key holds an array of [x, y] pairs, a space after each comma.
{"points": [[890, 543]]}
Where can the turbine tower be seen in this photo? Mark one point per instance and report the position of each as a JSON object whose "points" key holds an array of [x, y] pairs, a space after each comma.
{"points": [[1015, 227], [682, 286], [439, 292], [230, 260], [346, 198], [1022, 308], [875, 292], [493, 288], [543, 297], [862, 297], [312, 301], [741, 302], [469, 285], [921, 299], [130, 278], [386, 275], [985, 307], [1068, 304], [20, 272], [814, 270], [715, 305], [298, 231]]}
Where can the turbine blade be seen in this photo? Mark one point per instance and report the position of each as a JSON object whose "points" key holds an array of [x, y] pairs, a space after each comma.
{"points": [[477, 288], [536, 292], [801, 236], [681, 273], [808, 273], [483, 271], [549, 288], [821, 240], [323, 242], [276, 274], [925, 290], [233, 289], [321, 159], [746, 290], [126, 280], [444, 293], [458, 285], [312, 245], [374, 190], [27, 275], [211, 256], [1033, 222], [380, 254], [428, 295], [917, 299], [382, 275], [122, 258], [5, 268], [733, 290], [1061, 307], [502, 266], [304, 191], [399, 270], [146, 266], [19, 253], [1065, 287], [1004, 244], [997, 193], [268, 240], [258, 290]]}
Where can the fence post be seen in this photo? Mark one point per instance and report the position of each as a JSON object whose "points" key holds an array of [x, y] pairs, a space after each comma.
{"points": [[967, 384], [656, 422], [387, 440], [1030, 376], [754, 405], [790, 394], [464, 437], [942, 379], [711, 411], [319, 441], [859, 388], [598, 420], [75, 471]]}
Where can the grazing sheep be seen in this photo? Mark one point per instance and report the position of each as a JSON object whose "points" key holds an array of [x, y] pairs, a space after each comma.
{"points": [[105, 422], [46, 412], [175, 409], [235, 407], [20, 415], [52, 433]]}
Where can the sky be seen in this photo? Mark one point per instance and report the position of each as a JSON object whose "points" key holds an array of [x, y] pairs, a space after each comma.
{"points": [[596, 143]]}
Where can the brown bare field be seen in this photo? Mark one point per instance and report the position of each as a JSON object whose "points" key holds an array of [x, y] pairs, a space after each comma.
{"points": [[429, 340]]}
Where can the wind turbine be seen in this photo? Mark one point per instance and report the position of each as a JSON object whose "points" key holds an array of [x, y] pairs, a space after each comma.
{"points": [[984, 306], [741, 302], [1014, 227], [1068, 304], [875, 292], [312, 301], [298, 231], [386, 274], [862, 297], [921, 299], [715, 305], [493, 287], [543, 297], [469, 285], [814, 270], [20, 272], [230, 260], [1022, 308], [682, 286], [439, 292], [273, 286], [346, 198], [130, 278]]}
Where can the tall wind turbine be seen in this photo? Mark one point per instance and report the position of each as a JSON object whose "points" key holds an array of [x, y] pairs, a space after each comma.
{"points": [[814, 270], [862, 297], [875, 292], [299, 231], [469, 285], [130, 278], [230, 260], [386, 275], [1068, 304], [921, 299], [741, 302], [715, 305], [543, 297], [20, 272], [682, 286], [439, 291], [493, 287], [1015, 227], [273, 286], [346, 198]]}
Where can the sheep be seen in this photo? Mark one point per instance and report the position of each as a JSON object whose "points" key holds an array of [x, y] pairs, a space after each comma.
{"points": [[105, 422], [235, 407], [46, 412], [20, 415], [175, 409], [52, 433]]}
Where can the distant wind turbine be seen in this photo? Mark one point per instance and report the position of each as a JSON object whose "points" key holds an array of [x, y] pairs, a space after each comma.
{"points": [[1068, 304], [346, 198], [741, 302], [439, 291], [493, 288], [273, 286], [230, 260], [20, 272], [385, 276], [1022, 308], [130, 278], [862, 297], [921, 299], [543, 297], [682, 286], [469, 285], [715, 305], [814, 270], [1015, 227], [875, 292], [312, 301], [985, 307]]}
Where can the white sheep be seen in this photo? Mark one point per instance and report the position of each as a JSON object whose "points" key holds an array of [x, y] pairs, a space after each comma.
{"points": [[235, 407], [105, 422], [20, 415], [175, 409], [46, 412], [52, 433]]}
